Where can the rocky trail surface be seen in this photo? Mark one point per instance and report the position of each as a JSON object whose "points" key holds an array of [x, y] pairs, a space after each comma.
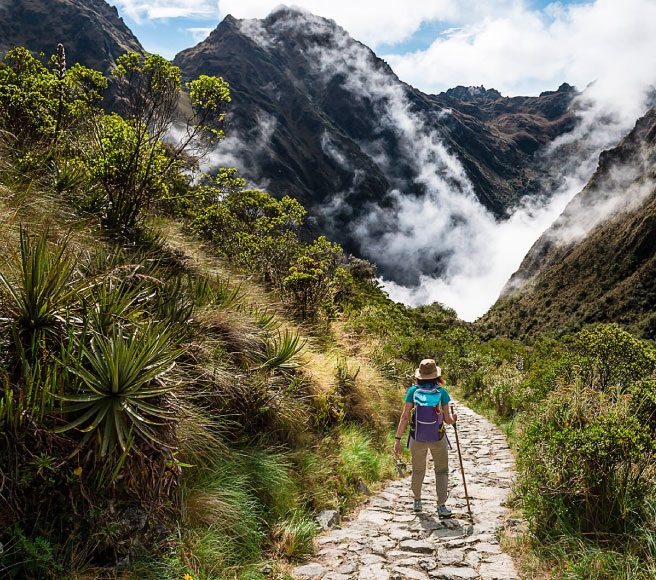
{"points": [[385, 540]]}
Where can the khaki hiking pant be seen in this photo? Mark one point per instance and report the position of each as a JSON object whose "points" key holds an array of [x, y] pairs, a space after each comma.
{"points": [[440, 453]]}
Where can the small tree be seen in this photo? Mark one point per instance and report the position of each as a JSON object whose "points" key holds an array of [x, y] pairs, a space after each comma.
{"points": [[149, 90], [310, 279]]}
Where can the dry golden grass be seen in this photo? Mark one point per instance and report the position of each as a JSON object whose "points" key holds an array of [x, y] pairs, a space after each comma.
{"points": [[373, 396]]}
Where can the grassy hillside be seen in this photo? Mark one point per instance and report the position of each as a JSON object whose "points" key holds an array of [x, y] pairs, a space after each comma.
{"points": [[258, 425]]}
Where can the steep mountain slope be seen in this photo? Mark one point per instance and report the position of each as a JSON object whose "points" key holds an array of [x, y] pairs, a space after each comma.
{"points": [[319, 116], [597, 262], [91, 31]]}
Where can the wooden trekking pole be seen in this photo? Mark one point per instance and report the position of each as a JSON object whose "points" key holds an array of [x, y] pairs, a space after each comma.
{"points": [[462, 468]]}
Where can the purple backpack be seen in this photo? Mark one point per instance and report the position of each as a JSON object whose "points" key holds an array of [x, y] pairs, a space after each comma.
{"points": [[427, 423]]}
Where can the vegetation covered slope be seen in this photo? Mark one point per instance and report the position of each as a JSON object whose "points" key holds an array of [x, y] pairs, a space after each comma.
{"points": [[156, 419], [597, 262]]}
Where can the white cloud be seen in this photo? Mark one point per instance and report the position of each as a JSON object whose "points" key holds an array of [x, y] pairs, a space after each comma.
{"points": [[139, 10], [199, 34], [525, 52], [243, 150]]}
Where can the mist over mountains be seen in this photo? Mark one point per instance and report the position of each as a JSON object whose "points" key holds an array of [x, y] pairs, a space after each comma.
{"points": [[446, 192], [597, 261]]}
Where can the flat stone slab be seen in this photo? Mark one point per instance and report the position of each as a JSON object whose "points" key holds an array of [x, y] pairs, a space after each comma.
{"points": [[309, 572], [501, 568], [403, 573], [375, 572], [417, 546], [453, 573]]}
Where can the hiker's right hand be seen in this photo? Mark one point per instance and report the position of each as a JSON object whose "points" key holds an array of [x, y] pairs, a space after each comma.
{"points": [[397, 448]]}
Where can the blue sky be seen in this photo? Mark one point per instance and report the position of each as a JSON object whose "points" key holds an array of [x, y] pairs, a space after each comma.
{"points": [[520, 47]]}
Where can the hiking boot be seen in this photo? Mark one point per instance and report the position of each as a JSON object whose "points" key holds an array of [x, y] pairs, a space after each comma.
{"points": [[444, 512], [416, 506]]}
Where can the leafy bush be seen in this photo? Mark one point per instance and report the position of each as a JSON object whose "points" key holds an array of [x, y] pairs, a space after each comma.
{"points": [[38, 103], [130, 173], [25, 557], [612, 357], [251, 228], [584, 460], [126, 155], [310, 277], [504, 388]]}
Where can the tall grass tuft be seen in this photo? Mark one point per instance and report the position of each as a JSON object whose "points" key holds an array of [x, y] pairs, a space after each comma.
{"points": [[359, 458], [293, 536]]}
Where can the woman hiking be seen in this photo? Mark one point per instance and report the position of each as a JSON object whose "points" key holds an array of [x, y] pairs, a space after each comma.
{"points": [[430, 401]]}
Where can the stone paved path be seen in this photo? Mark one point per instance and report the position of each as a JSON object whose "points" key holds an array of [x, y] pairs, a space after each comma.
{"points": [[386, 541]]}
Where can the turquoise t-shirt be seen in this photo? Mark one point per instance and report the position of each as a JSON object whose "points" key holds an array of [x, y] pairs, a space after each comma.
{"points": [[444, 395]]}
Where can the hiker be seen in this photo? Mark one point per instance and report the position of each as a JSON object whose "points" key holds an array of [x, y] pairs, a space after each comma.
{"points": [[428, 393]]}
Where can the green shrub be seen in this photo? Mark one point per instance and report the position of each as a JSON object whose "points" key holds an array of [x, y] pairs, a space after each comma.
{"points": [[38, 103], [584, 460], [28, 558], [612, 357], [310, 277], [504, 388]]}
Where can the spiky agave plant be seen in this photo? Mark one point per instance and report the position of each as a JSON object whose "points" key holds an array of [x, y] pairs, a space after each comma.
{"points": [[113, 300], [280, 352], [121, 379], [38, 300]]}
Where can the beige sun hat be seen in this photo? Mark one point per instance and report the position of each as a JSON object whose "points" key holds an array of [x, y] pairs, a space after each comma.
{"points": [[428, 370]]}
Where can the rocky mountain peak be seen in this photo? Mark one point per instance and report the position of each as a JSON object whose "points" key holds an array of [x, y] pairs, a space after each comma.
{"points": [[467, 94], [564, 88]]}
